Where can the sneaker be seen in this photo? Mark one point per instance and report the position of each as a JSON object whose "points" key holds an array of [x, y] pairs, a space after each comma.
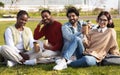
{"points": [[61, 64], [57, 61], [10, 63], [30, 62], [69, 61]]}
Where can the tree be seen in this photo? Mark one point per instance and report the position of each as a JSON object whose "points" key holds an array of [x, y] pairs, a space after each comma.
{"points": [[1, 4], [9, 15], [98, 3], [12, 2], [67, 6]]}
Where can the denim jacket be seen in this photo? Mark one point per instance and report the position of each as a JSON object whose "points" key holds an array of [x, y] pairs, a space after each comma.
{"points": [[68, 33]]}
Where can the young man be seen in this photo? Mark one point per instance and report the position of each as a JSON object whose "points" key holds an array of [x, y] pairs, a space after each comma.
{"points": [[53, 35], [71, 34]]}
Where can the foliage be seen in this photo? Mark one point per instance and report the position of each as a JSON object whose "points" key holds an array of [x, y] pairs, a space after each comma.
{"points": [[114, 11], [1, 4], [13, 1], [42, 8], [69, 6], [1, 13], [66, 7], [97, 10], [59, 13]]}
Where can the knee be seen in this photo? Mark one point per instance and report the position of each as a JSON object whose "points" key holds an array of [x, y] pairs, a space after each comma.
{"points": [[90, 61], [5, 48], [77, 39]]}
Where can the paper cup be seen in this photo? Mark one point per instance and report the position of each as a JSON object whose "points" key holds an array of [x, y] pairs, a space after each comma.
{"points": [[36, 47]]}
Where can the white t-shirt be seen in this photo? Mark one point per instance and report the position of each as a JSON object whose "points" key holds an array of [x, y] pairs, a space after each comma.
{"points": [[19, 46]]}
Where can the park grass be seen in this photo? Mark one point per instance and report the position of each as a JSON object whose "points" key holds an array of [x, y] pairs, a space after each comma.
{"points": [[46, 69]]}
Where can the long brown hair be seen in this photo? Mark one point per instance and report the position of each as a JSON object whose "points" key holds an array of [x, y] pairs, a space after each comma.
{"points": [[107, 14]]}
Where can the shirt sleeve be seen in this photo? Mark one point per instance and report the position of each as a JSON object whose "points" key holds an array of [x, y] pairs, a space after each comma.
{"points": [[67, 34], [114, 49], [9, 39], [86, 41], [38, 32]]}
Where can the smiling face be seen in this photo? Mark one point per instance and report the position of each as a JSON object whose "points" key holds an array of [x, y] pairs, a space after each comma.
{"points": [[22, 20], [73, 18], [102, 21], [46, 18]]}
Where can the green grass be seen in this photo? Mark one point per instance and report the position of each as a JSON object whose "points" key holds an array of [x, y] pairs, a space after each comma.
{"points": [[46, 69]]}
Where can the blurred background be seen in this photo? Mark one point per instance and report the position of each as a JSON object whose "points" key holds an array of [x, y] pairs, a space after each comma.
{"points": [[8, 8]]}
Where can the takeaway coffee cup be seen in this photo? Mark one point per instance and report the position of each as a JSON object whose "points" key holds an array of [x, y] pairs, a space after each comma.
{"points": [[85, 29], [36, 47]]}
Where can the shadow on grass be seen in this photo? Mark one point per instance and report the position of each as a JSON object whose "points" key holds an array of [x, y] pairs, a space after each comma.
{"points": [[2, 67]]}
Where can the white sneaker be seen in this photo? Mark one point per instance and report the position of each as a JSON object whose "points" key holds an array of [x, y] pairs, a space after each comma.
{"points": [[30, 62], [61, 64], [10, 63], [69, 61], [57, 61]]}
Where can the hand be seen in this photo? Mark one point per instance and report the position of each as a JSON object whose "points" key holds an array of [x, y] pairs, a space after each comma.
{"points": [[41, 22], [84, 38], [25, 56], [36, 47], [47, 46], [85, 30]]}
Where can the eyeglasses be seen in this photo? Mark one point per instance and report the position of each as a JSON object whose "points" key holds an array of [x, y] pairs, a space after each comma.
{"points": [[103, 20]]}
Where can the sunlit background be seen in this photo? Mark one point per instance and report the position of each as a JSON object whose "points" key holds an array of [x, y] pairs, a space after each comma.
{"points": [[33, 5]]}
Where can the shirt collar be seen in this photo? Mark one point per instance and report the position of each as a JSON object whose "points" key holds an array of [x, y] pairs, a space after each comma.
{"points": [[102, 29], [70, 25]]}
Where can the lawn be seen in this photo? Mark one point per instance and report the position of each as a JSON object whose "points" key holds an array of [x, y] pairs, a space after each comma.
{"points": [[46, 69]]}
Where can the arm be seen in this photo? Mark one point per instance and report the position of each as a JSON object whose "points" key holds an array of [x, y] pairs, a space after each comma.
{"points": [[9, 39], [114, 49], [56, 41], [86, 41], [38, 32], [67, 33]]}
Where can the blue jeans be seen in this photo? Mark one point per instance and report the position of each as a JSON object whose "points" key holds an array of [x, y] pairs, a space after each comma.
{"points": [[76, 46], [84, 61]]}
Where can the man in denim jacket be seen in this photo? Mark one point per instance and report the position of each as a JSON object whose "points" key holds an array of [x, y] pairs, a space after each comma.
{"points": [[72, 36]]}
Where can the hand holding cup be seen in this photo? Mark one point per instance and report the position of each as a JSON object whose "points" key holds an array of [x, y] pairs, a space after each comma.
{"points": [[85, 29], [36, 47]]}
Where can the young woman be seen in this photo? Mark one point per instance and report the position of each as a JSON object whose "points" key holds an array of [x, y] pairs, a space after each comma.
{"points": [[19, 40]]}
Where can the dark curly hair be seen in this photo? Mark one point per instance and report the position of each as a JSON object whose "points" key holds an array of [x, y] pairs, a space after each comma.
{"points": [[46, 11], [72, 10]]}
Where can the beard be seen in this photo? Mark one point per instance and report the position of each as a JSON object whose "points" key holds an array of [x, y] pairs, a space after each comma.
{"points": [[73, 21]]}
